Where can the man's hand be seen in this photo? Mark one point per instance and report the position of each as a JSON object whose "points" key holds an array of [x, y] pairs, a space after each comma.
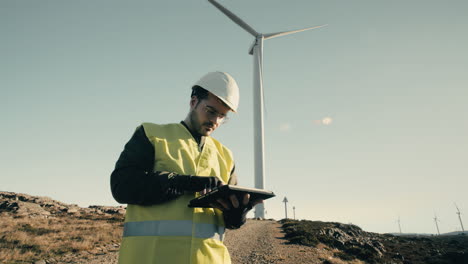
{"points": [[235, 210]]}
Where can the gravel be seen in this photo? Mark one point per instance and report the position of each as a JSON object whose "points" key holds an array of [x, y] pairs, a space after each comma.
{"points": [[263, 242]]}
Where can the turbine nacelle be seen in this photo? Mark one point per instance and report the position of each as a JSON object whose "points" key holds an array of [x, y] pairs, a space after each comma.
{"points": [[278, 34]]}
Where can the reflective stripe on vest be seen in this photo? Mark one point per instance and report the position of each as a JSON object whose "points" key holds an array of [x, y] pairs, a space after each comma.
{"points": [[173, 228]]}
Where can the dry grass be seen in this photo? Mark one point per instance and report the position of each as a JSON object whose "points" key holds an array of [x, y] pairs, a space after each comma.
{"points": [[23, 239]]}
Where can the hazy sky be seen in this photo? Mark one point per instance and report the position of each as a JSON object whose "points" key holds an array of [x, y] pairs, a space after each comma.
{"points": [[366, 119]]}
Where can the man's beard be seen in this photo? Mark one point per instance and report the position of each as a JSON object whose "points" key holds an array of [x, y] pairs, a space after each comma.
{"points": [[197, 126]]}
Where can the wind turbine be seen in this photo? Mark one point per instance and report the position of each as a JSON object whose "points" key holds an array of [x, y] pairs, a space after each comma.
{"points": [[399, 225], [437, 225], [285, 201], [459, 217], [256, 49]]}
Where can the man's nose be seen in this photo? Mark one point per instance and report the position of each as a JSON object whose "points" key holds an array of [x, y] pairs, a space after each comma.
{"points": [[216, 119]]}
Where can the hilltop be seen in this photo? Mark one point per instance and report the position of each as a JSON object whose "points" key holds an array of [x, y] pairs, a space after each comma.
{"points": [[41, 230]]}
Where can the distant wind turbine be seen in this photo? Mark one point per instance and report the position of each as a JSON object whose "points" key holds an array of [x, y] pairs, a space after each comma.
{"points": [[285, 201], [256, 49], [459, 217], [399, 225], [437, 225]]}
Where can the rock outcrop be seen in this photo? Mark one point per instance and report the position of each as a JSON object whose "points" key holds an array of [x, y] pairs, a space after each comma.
{"points": [[354, 243], [39, 230], [39, 206]]}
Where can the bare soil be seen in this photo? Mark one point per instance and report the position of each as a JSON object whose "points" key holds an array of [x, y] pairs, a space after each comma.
{"points": [[263, 242]]}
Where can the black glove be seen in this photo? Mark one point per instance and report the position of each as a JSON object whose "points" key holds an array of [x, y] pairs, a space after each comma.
{"points": [[194, 183], [199, 183], [234, 218]]}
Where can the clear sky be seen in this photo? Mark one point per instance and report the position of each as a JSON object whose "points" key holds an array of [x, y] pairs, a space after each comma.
{"points": [[388, 77]]}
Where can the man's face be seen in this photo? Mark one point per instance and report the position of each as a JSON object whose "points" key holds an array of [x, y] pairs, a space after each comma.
{"points": [[206, 115]]}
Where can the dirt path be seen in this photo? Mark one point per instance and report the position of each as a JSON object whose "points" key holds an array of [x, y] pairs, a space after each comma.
{"points": [[262, 242]]}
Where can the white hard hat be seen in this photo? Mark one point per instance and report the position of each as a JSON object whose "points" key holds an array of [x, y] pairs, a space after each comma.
{"points": [[223, 86]]}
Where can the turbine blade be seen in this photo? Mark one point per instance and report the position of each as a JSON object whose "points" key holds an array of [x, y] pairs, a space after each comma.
{"points": [[279, 34], [234, 18]]}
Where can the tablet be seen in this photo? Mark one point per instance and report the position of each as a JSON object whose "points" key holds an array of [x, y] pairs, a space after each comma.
{"points": [[225, 191]]}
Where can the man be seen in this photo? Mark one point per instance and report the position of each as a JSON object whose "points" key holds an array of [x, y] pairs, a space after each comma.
{"points": [[163, 167]]}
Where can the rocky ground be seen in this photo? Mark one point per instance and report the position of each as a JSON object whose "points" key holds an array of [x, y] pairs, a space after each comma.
{"points": [[354, 243], [38, 206], [44, 231], [40, 230]]}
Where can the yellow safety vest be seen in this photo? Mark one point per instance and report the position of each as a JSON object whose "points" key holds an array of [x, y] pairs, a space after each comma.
{"points": [[172, 232]]}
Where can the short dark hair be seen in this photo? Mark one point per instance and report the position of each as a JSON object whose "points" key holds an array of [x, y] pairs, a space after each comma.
{"points": [[199, 92]]}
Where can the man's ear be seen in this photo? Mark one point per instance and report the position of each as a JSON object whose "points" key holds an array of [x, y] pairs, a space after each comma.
{"points": [[193, 102]]}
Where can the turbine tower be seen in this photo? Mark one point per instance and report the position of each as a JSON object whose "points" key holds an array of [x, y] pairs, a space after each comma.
{"points": [[285, 201], [437, 225], [256, 49], [459, 217], [399, 224]]}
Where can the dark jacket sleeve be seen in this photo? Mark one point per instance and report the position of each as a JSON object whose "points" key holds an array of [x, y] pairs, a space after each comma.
{"points": [[133, 180], [233, 178]]}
